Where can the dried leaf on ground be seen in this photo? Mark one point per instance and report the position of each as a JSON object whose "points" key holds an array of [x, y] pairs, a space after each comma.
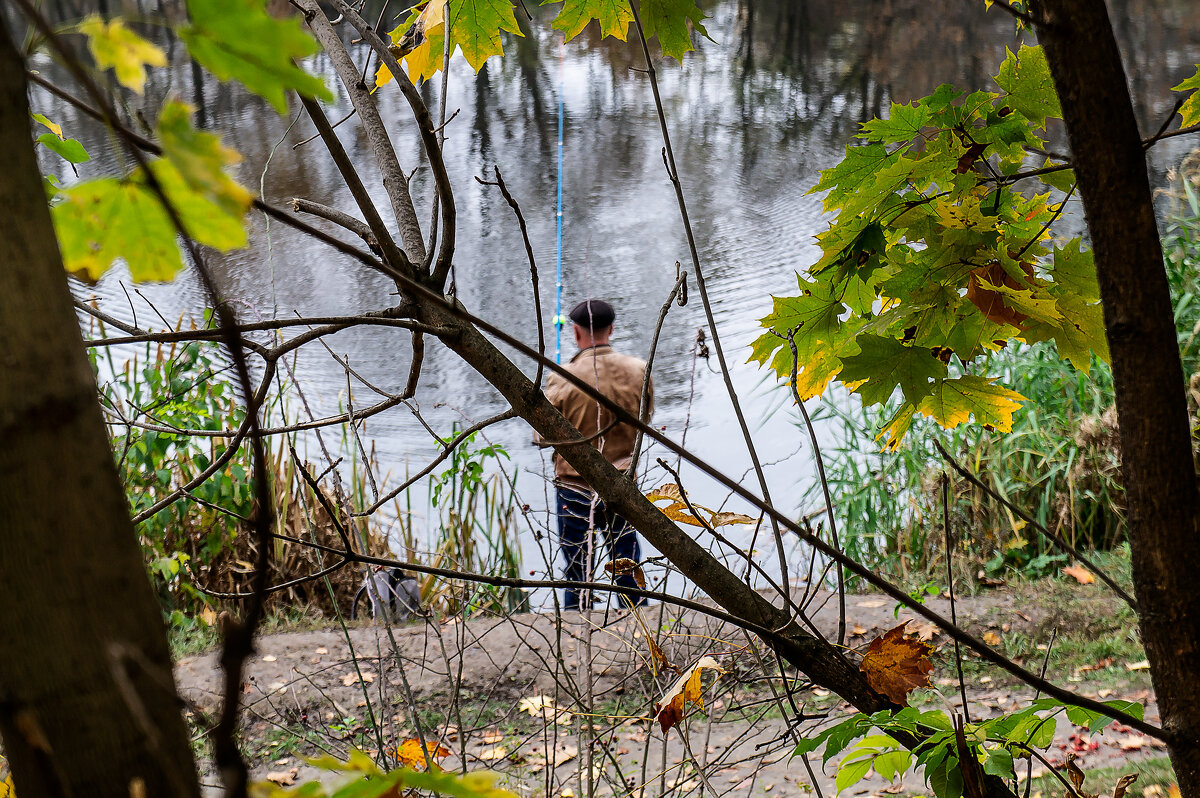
{"points": [[991, 638], [284, 778], [543, 707], [671, 708], [1081, 575], [624, 565], [411, 754], [895, 665], [494, 753], [1143, 665], [493, 736]]}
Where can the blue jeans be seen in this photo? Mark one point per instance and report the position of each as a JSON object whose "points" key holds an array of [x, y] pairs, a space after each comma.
{"points": [[574, 508]]}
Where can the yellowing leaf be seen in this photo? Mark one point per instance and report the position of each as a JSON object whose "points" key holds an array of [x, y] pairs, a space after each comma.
{"points": [[991, 638], [6, 787], [201, 159], [411, 753], [614, 17], [238, 40], [493, 753], [116, 46], [954, 401], [1080, 574], [725, 519], [895, 665], [543, 708], [1189, 112], [419, 42], [670, 709], [668, 490]]}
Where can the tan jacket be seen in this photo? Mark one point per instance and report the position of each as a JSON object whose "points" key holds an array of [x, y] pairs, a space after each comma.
{"points": [[619, 377]]}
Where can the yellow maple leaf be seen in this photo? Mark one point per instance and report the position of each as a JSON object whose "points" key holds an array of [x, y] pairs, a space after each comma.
{"points": [[114, 45]]}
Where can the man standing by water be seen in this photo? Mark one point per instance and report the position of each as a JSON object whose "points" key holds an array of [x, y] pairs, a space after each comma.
{"points": [[618, 377]]}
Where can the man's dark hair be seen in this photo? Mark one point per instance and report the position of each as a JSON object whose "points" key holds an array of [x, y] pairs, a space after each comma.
{"points": [[593, 314]]}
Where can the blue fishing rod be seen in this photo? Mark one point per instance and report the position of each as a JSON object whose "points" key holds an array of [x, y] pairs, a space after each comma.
{"points": [[559, 320]]}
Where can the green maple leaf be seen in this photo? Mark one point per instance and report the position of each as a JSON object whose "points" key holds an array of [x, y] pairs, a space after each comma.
{"points": [[201, 159], [238, 40], [904, 123], [103, 220], [1078, 334], [475, 27], [614, 16], [1039, 305], [116, 46], [1189, 112], [668, 21], [954, 401], [1026, 78], [860, 165], [885, 363], [1074, 271]]}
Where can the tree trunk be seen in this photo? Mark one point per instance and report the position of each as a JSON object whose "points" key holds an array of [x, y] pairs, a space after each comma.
{"points": [[87, 696], [1159, 476]]}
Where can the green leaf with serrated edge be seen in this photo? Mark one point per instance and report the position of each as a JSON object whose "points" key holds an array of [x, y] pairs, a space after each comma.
{"points": [[614, 17], [859, 165], [1063, 179], [885, 364], [1077, 335], [892, 764], [667, 20], [238, 40], [116, 46], [1189, 112], [69, 150], [475, 27], [904, 123], [954, 401], [201, 159], [100, 221], [1026, 78], [1074, 271], [1039, 306], [843, 734]]}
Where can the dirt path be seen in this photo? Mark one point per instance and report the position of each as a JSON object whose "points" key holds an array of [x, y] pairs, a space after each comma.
{"points": [[490, 689]]}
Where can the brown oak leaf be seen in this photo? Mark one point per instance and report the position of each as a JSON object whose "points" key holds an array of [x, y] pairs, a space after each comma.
{"points": [[895, 665]]}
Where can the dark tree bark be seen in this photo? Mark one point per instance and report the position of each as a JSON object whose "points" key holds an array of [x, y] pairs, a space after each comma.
{"points": [[87, 696], [1157, 467]]}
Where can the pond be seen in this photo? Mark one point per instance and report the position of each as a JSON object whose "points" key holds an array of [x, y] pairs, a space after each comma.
{"points": [[754, 113]]}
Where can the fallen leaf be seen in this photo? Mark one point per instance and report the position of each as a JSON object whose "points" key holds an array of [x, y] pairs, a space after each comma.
{"points": [[351, 679], [670, 709], [284, 778], [277, 686], [1104, 693], [926, 631], [896, 665], [493, 736], [493, 753], [858, 631], [1082, 575], [872, 603], [1132, 742], [543, 707], [567, 792], [624, 565], [321, 650], [991, 638], [269, 658], [1144, 665], [411, 753]]}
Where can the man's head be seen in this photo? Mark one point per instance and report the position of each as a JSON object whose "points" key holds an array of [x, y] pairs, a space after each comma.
{"points": [[593, 320]]}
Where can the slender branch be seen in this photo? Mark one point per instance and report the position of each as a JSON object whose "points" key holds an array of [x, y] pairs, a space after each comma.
{"points": [[394, 182], [962, 683], [433, 150], [645, 401], [340, 218]]}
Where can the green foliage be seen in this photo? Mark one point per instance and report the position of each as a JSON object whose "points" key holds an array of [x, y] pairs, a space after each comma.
{"points": [[995, 743], [69, 150], [201, 160], [362, 778], [936, 261], [238, 40], [1060, 461]]}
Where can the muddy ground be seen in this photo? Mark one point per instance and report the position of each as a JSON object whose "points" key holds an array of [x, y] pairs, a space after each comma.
{"points": [[516, 694]]}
